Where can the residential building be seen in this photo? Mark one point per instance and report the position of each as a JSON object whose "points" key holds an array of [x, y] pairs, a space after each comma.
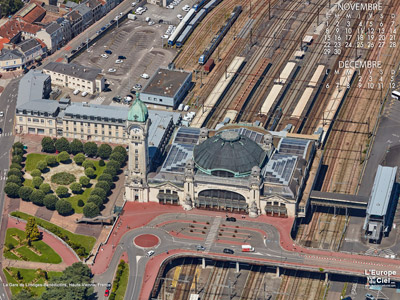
{"points": [[52, 36], [11, 60], [76, 22], [75, 77], [66, 29], [86, 13], [33, 85], [32, 49], [16, 30], [167, 87], [96, 7], [30, 13]]}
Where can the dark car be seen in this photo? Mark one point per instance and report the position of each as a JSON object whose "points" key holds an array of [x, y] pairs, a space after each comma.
{"points": [[228, 251], [1, 131], [121, 57], [107, 293], [73, 51], [108, 51], [117, 99], [200, 248], [33, 67], [103, 28], [109, 286], [230, 219], [39, 63]]}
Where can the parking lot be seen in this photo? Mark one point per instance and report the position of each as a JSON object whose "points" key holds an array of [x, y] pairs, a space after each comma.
{"points": [[140, 44]]}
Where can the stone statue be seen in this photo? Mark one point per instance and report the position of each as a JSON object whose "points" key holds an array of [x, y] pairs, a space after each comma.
{"points": [[253, 210], [187, 203]]}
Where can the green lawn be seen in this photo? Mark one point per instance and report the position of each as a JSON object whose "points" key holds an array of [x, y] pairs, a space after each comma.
{"points": [[86, 241], [74, 200], [48, 255], [28, 276], [99, 170], [123, 283], [32, 159]]}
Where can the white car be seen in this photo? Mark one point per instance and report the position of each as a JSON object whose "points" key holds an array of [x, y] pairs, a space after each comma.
{"points": [[84, 94], [147, 19], [111, 70], [145, 76], [151, 23], [179, 17], [104, 55], [165, 36], [1, 114], [119, 61], [150, 253], [170, 6], [134, 3]]}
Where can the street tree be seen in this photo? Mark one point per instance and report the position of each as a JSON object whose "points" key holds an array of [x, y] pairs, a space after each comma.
{"points": [[62, 144], [48, 145], [75, 147], [91, 210], [90, 149], [104, 151]]}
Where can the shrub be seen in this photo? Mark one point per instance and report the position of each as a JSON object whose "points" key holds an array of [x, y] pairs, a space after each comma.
{"points": [[91, 210], [45, 187], [50, 201], [113, 164], [63, 157], [105, 177], [101, 163], [103, 185], [37, 197], [36, 173], [17, 159], [48, 145], [119, 149], [89, 172], [85, 181], [75, 147], [25, 192], [79, 158], [81, 203], [16, 166], [118, 157], [62, 144], [75, 187], [51, 160], [104, 151], [41, 165], [37, 181], [88, 164], [90, 149], [18, 145], [96, 200], [110, 170], [15, 179], [18, 151], [99, 192], [63, 178], [15, 172], [63, 207], [62, 192]]}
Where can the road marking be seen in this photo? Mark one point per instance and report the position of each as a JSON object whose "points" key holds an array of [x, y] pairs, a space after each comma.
{"points": [[138, 257]]}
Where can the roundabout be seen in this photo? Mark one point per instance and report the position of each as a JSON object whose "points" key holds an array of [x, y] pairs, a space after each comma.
{"points": [[146, 241]]}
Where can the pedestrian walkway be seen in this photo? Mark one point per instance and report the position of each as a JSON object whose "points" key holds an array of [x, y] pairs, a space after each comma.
{"points": [[212, 233], [34, 265]]}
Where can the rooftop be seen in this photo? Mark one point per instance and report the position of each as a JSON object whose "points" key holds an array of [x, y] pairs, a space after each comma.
{"points": [[31, 13], [73, 70], [40, 105], [28, 45], [166, 82], [13, 27], [7, 54], [31, 87], [52, 27]]}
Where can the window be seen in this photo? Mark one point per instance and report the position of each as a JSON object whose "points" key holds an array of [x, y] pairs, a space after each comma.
{"points": [[50, 122], [109, 133], [50, 131], [102, 132], [20, 119], [116, 134], [74, 129], [66, 128], [88, 131], [35, 120], [42, 121], [95, 131]]}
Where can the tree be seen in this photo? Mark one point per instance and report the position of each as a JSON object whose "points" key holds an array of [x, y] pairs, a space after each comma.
{"points": [[120, 149], [63, 207], [91, 210], [101, 163], [115, 164], [15, 172], [51, 160], [25, 192], [88, 164], [17, 159], [18, 151], [90, 149], [89, 172], [120, 158], [111, 171], [16, 166], [96, 200], [81, 203], [50, 201], [59, 287], [75, 147], [104, 151], [103, 185], [37, 197], [63, 157], [45, 188], [62, 144], [62, 191], [75, 187], [48, 145], [9, 7], [11, 189], [99, 192], [105, 177], [79, 158], [85, 181], [31, 230], [37, 181], [15, 179], [17, 145], [41, 165], [23, 295]]}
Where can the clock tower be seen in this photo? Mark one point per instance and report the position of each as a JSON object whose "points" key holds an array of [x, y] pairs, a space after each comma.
{"points": [[137, 127]]}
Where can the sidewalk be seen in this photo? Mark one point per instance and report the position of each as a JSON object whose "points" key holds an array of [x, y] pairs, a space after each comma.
{"points": [[33, 265]]}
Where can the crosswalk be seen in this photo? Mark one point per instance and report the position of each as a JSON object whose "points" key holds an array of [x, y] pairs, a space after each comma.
{"points": [[4, 134], [212, 233], [388, 253], [98, 100]]}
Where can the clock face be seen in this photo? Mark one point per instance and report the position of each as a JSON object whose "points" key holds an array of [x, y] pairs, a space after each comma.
{"points": [[136, 130]]}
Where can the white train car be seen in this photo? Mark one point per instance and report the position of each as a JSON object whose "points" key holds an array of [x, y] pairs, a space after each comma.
{"points": [[272, 96], [181, 27]]}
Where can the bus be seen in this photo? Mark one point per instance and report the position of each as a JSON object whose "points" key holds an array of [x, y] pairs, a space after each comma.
{"points": [[396, 95], [247, 248]]}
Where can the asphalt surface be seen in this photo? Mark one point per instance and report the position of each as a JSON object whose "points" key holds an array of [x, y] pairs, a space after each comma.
{"points": [[8, 100]]}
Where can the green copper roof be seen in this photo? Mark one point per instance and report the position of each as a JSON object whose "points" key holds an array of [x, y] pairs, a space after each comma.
{"points": [[138, 111]]}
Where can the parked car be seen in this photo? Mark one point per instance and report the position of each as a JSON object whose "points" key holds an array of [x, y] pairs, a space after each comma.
{"points": [[121, 57], [145, 76], [103, 28], [180, 17], [134, 3], [109, 286], [112, 21], [108, 51], [84, 94], [107, 293], [147, 19], [137, 86], [73, 51], [151, 23], [231, 219], [76, 92], [117, 99], [1, 114], [228, 251], [112, 70], [1, 131], [119, 61], [200, 248], [104, 55]]}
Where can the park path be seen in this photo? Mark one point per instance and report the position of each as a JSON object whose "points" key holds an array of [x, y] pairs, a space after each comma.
{"points": [[66, 253]]}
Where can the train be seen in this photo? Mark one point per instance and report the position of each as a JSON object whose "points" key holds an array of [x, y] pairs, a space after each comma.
{"points": [[199, 5], [220, 35], [191, 26], [181, 27]]}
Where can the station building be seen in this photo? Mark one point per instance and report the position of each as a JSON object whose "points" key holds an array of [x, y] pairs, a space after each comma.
{"points": [[167, 87], [237, 168]]}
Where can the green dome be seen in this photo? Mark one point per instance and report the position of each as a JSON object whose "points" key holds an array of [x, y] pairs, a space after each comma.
{"points": [[138, 111]]}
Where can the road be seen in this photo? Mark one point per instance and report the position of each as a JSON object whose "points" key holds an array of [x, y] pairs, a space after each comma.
{"points": [[8, 100]]}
